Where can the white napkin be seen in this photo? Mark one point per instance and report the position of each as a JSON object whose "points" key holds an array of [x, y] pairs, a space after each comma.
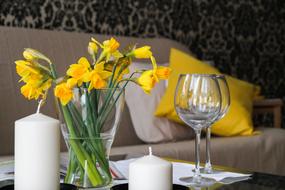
{"points": [[180, 170]]}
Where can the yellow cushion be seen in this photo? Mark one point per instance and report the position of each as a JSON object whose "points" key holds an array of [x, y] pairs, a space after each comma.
{"points": [[238, 120]]}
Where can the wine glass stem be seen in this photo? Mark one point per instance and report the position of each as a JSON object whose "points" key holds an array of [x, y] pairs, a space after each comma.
{"points": [[208, 165], [197, 174]]}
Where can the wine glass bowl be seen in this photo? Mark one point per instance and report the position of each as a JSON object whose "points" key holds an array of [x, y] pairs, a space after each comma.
{"points": [[197, 102], [197, 99]]}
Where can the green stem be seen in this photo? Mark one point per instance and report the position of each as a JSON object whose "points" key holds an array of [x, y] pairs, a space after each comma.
{"points": [[79, 151], [103, 115], [70, 168]]}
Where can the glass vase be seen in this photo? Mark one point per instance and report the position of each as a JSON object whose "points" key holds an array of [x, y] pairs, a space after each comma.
{"points": [[89, 124]]}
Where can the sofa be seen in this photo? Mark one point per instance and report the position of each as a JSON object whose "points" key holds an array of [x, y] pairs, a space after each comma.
{"points": [[263, 153]]}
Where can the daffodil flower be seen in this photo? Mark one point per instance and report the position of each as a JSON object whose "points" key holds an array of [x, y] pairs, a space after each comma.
{"points": [[162, 73], [147, 81], [30, 92], [141, 53], [110, 48], [159, 72], [37, 81], [98, 77], [92, 48], [111, 45], [80, 71], [63, 92], [24, 68]]}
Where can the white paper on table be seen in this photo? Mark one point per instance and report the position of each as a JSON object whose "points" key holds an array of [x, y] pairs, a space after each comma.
{"points": [[184, 170], [6, 170]]}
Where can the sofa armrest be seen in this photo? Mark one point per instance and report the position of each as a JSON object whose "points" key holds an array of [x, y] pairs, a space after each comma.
{"points": [[273, 106]]}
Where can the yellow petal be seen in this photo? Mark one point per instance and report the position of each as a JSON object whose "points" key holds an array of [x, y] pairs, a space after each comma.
{"points": [[79, 71], [99, 69], [71, 82], [111, 45], [98, 43], [96, 81], [142, 52], [99, 66], [146, 81], [30, 92], [162, 72], [105, 74], [117, 54], [84, 62], [64, 93]]}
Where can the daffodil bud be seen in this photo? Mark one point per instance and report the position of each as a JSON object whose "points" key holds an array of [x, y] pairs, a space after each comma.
{"points": [[142, 52], [32, 54], [92, 48], [28, 56]]}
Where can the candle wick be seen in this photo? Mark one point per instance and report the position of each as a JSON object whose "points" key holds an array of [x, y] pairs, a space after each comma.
{"points": [[39, 106], [150, 150]]}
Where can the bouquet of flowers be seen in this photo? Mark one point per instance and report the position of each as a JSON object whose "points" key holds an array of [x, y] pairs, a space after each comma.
{"points": [[87, 95]]}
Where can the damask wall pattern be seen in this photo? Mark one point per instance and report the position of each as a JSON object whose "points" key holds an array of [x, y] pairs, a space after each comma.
{"points": [[244, 38]]}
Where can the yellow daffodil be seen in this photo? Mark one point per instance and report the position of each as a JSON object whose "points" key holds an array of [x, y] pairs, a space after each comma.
{"points": [[110, 48], [98, 77], [162, 73], [159, 72], [30, 92], [147, 81], [80, 71], [149, 78], [24, 68], [37, 80], [29, 74], [111, 45], [92, 48], [142, 52], [64, 93]]}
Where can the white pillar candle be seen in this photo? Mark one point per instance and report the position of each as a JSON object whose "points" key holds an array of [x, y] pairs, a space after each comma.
{"points": [[150, 173], [37, 148]]}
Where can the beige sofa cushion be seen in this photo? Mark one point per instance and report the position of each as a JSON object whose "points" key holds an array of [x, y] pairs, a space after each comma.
{"points": [[261, 153]]}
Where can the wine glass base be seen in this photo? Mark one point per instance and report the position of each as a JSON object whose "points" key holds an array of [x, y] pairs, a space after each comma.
{"points": [[203, 171], [201, 182]]}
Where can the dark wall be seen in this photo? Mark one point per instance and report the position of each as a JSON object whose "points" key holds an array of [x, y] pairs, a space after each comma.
{"points": [[245, 38]]}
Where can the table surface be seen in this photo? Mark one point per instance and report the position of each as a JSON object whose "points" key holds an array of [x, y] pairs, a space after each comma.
{"points": [[258, 181]]}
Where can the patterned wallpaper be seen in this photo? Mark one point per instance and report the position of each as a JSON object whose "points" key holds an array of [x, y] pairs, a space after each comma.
{"points": [[244, 38]]}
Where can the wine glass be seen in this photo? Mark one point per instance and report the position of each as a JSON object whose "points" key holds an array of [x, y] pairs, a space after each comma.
{"points": [[225, 95], [197, 102]]}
